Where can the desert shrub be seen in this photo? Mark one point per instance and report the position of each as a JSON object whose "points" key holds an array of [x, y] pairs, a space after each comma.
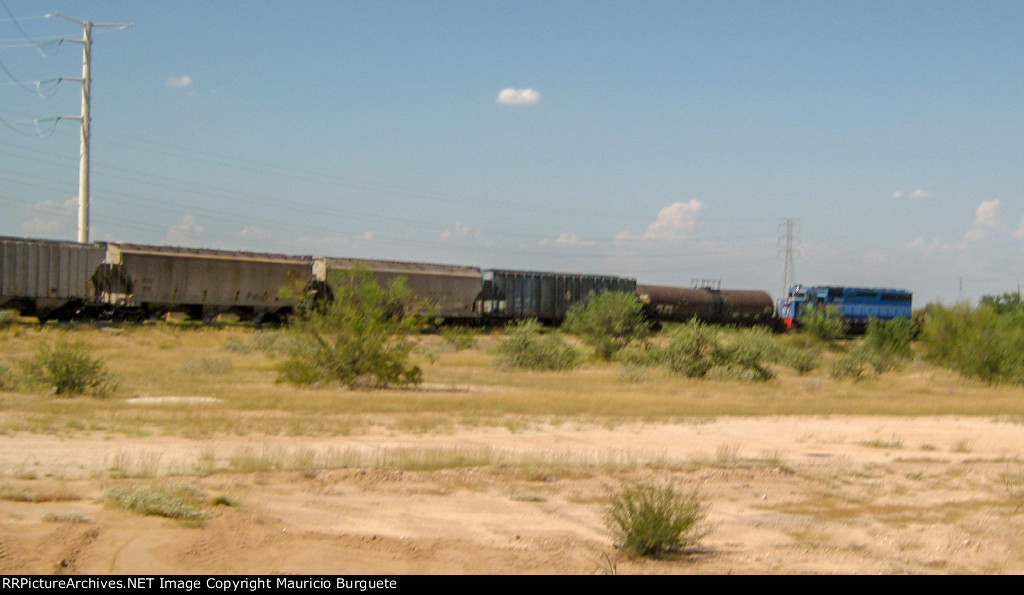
{"points": [[850, 366], [69, 369], [174, 500], [802, 360], [691, 349], [695, 351], [642, 355], [277, 342], [648, 519], [981, 343], [458, 338], [746, 355], [7, 318], [7, 378], [527, 347], [206, 365], [361, 339], [826, 325], [608, 321], [238, 345], [888, 342]]}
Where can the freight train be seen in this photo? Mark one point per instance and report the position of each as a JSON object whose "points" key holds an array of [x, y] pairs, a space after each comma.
{"points": [[54, 280]]}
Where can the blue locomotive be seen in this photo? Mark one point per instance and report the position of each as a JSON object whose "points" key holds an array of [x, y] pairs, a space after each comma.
{"points": [[856, 305]]}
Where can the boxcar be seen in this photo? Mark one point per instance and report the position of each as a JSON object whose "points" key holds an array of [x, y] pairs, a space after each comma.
{"points": [[518, 295], [45, 278]]}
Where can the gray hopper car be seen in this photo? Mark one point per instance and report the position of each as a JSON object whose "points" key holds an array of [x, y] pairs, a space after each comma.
{"points": [[713, 306], [452, 290], [203, 283], [47, 279]]}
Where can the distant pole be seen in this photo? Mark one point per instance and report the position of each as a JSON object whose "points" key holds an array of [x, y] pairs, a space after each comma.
{"points": [[85, 119]]}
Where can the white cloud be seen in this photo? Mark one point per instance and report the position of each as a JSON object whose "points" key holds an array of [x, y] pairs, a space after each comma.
{"points": [[565, 239], [986, 213], [179, 81], [512, 96], [460, 230], [674, 219], [918, 194], [254, 233], [1019, 233], [185, 231], [40, 226]]}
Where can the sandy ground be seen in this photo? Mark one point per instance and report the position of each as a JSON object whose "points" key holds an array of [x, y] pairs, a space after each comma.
{"points": [[785, 495]]}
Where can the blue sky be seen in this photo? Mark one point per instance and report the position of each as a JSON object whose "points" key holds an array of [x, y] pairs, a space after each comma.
{"points": [[662, 140]]}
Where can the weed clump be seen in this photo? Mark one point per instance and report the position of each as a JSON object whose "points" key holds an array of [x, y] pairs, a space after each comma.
{"points": [[528, 348], [69, 369], [175, 500], [648, 519]]}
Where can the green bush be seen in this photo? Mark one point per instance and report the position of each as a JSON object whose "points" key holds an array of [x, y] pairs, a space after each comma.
{"points": [[888, 342], [7, 318], [691, 349], [69, 369], [695, 351], [458, 337], [747, 354], [361, 339], [649, 519], [608, 321], [826, 325], [528, 348], [984, 343], [7, 380], [850, 366], [803, 360]]}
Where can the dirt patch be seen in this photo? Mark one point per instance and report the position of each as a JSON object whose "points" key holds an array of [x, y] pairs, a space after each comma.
{"points": [[838, 494]]}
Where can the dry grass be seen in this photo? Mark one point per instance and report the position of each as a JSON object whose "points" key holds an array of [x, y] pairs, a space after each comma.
{"points": [[204, 381]]}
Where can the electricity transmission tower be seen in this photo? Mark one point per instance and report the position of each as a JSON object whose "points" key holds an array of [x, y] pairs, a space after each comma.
{"points": [[790, 239]]}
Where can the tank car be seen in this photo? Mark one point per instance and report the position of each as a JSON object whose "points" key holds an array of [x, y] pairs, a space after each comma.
{"points": [[706, 304]]}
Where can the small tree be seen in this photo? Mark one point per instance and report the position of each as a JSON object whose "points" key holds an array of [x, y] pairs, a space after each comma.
{"points": [[608, 321], [360, 338]]}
